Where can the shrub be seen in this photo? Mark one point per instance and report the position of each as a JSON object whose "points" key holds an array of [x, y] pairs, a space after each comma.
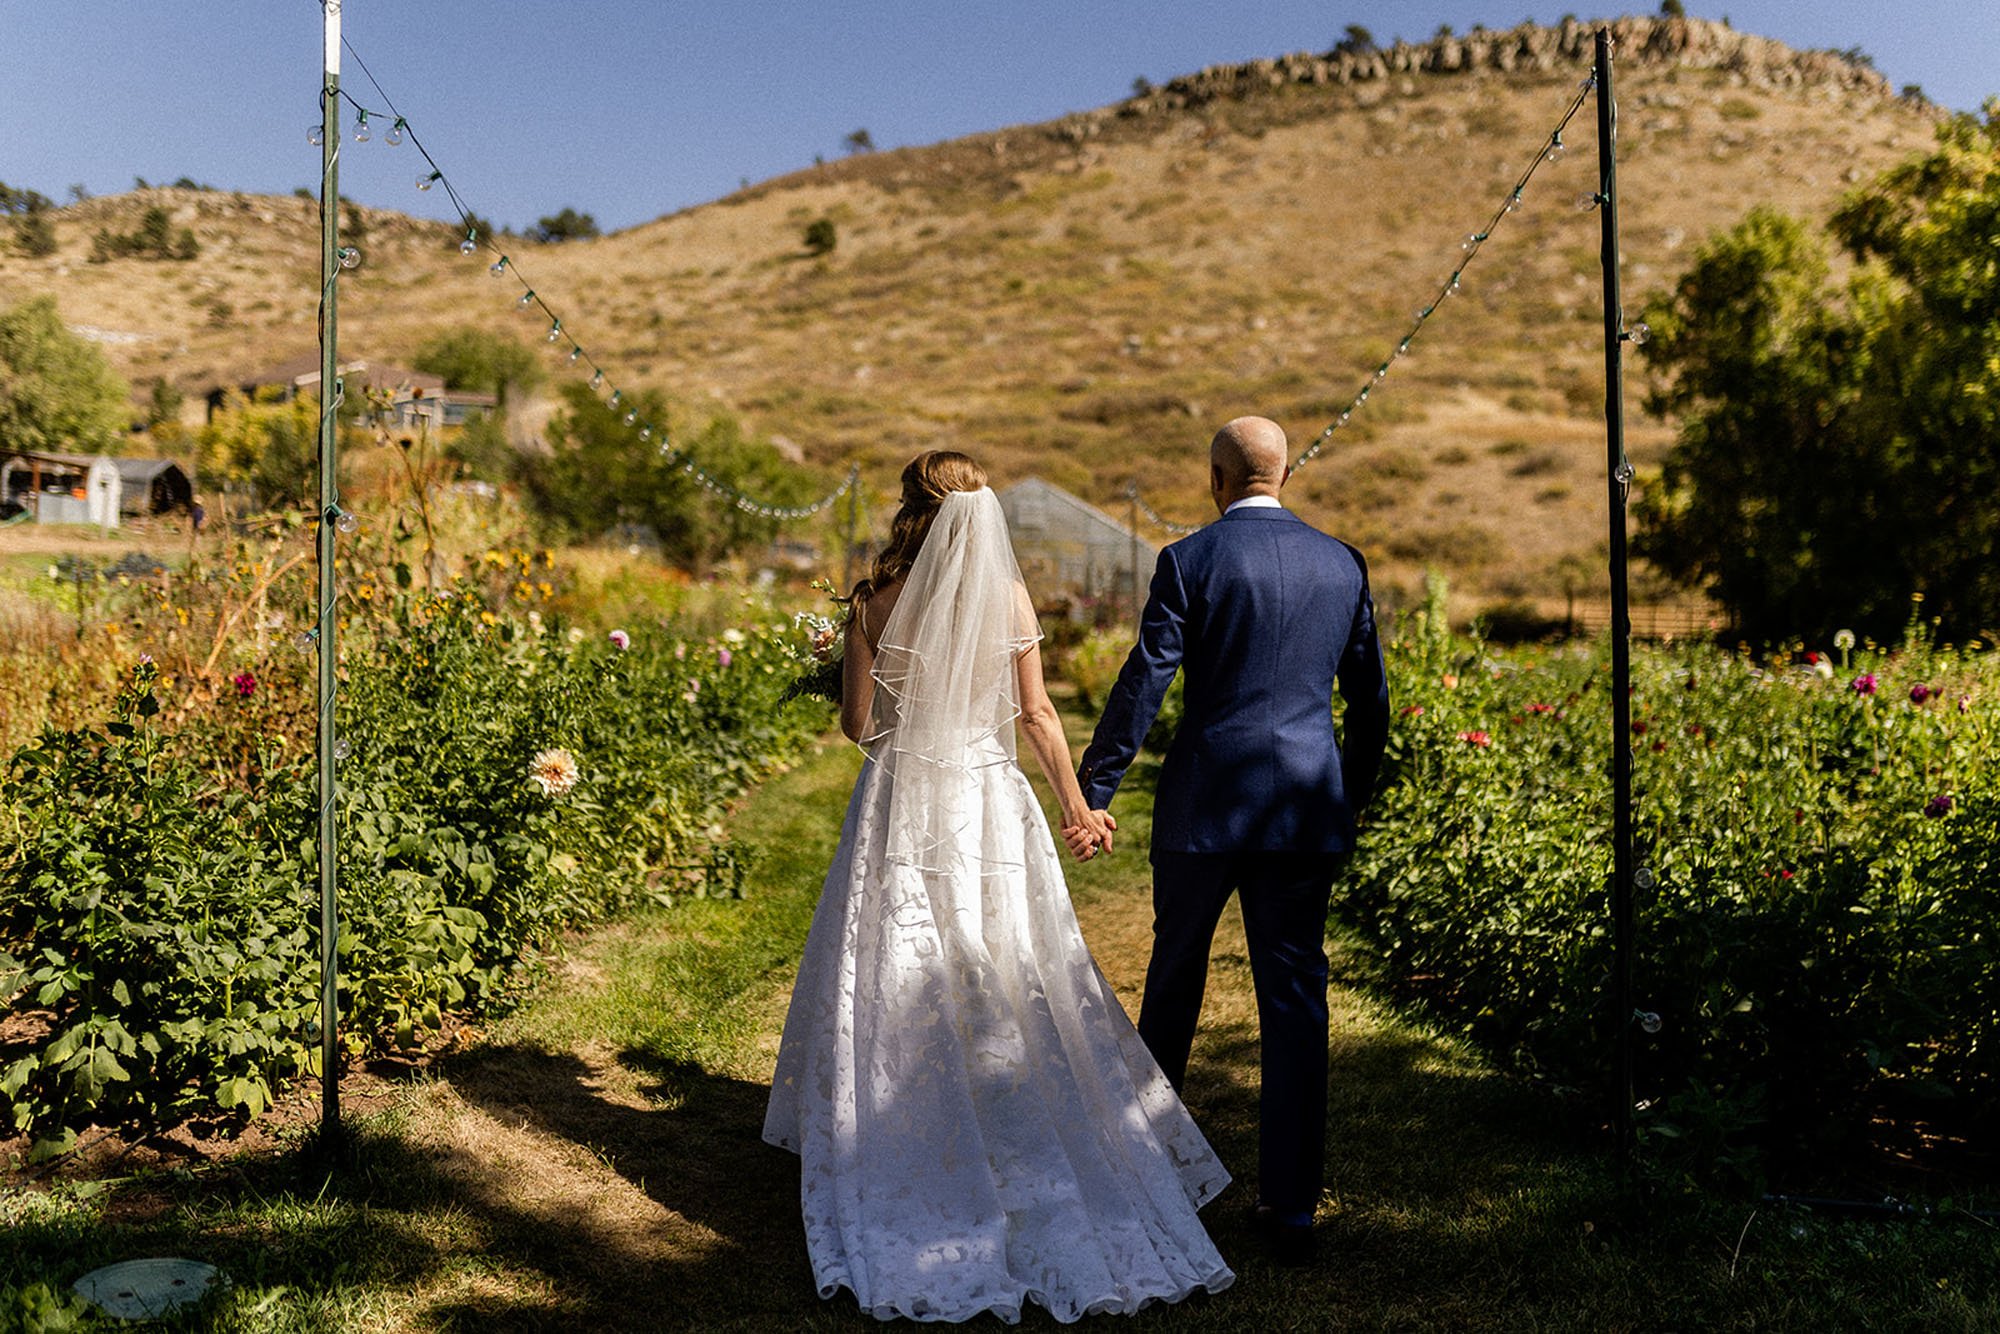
{"points": [[820, 236]]}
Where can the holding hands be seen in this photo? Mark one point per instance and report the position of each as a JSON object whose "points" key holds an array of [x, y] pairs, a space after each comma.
{"points": [[1088, 832]]}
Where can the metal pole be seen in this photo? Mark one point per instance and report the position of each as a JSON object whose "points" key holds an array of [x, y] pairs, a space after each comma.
{"points": [[1619, 478], [329, 513]]}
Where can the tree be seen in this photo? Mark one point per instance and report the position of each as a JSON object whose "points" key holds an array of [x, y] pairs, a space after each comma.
{"points": [[270, 445], [821, 236], [480, 362], [860, 141], [35, 235], [1357, 42], [1673, 9], [599, 473], [568, 225], [1839, 444], [57, 392]]}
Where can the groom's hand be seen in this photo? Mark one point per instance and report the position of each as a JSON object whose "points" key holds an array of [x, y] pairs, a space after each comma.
{"points": [[1110, 826]]}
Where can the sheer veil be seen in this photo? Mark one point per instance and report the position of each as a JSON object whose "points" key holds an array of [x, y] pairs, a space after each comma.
{"points": [[946, 694]]}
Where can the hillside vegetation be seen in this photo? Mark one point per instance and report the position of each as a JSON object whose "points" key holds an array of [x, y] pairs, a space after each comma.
{"points": [[1087, 299]]}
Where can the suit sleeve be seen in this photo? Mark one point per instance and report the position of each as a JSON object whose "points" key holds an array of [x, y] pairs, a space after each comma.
{"points": [[1364, 684], [1142, 683]]}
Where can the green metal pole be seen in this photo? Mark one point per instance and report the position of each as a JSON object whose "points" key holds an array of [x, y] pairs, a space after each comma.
{"points": [[329, 513], [1619, 478]]}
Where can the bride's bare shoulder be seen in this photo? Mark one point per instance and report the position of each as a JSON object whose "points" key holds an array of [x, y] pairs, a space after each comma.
{"points": [[875, 609]]}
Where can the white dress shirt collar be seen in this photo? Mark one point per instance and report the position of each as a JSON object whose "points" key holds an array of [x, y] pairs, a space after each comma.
{"points": [[1254, 503]]}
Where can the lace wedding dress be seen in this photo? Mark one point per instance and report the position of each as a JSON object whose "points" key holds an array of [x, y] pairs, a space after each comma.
{"points": [[979, 1126]]}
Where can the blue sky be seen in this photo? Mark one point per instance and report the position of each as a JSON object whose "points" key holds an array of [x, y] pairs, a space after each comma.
{"points": [[628, 109]]}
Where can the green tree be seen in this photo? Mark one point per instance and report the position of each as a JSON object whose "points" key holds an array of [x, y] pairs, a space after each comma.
{"points": [[1673, 9], [35, 235], [1356, 41], [821, 236], [568, 225], [480, 362], [1839, 443], [268, 444], [57, 392], [600, 473], [859, 141]]}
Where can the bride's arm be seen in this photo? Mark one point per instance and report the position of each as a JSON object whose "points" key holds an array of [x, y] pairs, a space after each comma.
{"points": [[857, 676], [1082, 828]]}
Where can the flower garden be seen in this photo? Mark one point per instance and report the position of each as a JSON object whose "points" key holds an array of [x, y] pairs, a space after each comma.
{"points": [[506, 776]]}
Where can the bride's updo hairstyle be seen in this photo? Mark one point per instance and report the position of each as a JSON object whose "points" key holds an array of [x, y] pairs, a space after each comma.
{"points": [[931, 476]]}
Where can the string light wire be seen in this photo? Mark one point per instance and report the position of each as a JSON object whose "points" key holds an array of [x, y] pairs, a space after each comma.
{"points": [[559, 331]]}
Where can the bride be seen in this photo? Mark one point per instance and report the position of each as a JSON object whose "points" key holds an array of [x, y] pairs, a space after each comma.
{"points": [[978, 1124]]}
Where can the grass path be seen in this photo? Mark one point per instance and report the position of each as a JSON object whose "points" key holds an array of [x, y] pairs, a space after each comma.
{"points": [[594, 1164]]}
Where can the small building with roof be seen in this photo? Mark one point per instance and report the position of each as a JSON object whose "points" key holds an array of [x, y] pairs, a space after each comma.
{"points": [[1069, 549]]}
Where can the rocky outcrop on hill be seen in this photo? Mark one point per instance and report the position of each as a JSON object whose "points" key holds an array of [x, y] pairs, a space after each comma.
{"points": [[1529, 48]]}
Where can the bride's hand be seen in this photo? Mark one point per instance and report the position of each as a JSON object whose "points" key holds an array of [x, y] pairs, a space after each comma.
{"points": [[1088, 834]]}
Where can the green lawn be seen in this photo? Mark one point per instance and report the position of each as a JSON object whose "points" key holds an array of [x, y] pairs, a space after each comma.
{"points": [[594, 1163]]}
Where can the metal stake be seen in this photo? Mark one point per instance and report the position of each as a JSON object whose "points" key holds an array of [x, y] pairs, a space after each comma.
{"points": [[1619, 478], [329, 514]]}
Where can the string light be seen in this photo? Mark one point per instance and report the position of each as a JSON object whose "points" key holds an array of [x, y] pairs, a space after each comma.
{"points": [[316, 135], [502, 266], [1552, 151], [349, 257]]}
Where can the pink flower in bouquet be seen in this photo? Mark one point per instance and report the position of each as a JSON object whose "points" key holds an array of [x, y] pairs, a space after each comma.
{"points": [[1864, 684], [822, 643], [245, 683], [1938, 806], [1920, 692], [620, 640], [1476, 738], [723, 657]]}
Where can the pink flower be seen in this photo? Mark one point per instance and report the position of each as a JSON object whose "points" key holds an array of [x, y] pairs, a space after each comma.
{"points": [[723, 657], [680, 651], [1938, 806], [1541, 708], [620, 640], [1864, 684], [245, 683], [1413, 710], [1476, 738], [1920, 692]]}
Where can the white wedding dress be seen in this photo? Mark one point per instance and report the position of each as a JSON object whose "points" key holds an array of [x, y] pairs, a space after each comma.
{"points": [[978, 1124]]}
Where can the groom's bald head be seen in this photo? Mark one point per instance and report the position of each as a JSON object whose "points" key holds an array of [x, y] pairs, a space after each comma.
{"points": [[1248, 457]]}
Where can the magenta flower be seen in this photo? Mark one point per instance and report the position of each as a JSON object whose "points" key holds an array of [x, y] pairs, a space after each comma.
{"points": [[1965, 704], [1476, 738], [723, 657], [620, 640], [245, 683], [1865, 683], [1920, 692], [1938, 806]]}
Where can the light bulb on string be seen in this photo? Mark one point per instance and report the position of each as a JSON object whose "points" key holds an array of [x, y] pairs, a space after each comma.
{"points": [[349, 257], [645, 433], [316, 134], [631, 416], [1514, 201], [470, 245], [361, 131], [617, 397], [342, 749], [498, 268], [575, 354], [347, 521], [426, 182], [306, 641], [1556, 147], [1454, 283], [555, 331], [1382, 372], [395, 134], [527, 299], [1639, 333], [597, 380], [1473, 241]]}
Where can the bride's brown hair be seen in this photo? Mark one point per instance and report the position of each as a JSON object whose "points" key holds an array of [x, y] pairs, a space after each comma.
{"points": [[931, 476]]}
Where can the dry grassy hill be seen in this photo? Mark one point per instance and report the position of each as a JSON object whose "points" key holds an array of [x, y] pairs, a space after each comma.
{"points": [[1087, 299]]}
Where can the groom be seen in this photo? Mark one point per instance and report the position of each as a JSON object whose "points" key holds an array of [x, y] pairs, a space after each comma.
{"points": [[1264, 614]]}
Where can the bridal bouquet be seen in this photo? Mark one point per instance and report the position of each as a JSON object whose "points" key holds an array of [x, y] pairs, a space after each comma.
{"points": [[820, 658]]}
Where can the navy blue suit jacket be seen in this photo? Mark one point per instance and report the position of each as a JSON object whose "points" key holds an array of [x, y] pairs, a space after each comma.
{"points": [[1265, 614]]}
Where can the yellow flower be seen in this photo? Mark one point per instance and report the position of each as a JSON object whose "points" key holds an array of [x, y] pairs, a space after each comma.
{"points": [[488, 618], [547, 589]]}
